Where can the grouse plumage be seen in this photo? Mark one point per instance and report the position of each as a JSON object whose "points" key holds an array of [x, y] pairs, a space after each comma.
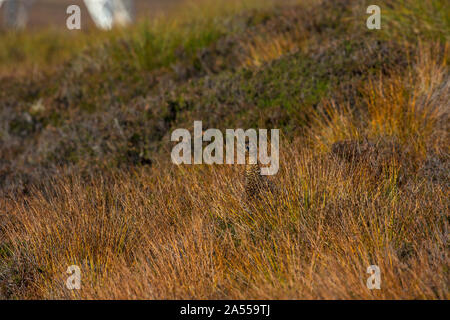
{"points": [[256, 184]]}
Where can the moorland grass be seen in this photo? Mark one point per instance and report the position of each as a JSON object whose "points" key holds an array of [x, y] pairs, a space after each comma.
{"points": [[85, 167]]}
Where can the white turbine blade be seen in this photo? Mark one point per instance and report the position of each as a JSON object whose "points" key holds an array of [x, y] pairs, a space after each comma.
{"points": [[123, 12], [101, 12]]}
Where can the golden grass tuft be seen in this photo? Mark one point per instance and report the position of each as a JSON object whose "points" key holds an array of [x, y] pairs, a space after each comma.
{"points": [[411, 108], [263, 50]]}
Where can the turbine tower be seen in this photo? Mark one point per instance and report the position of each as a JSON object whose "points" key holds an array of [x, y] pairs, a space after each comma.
{"points": [[15, 12]]}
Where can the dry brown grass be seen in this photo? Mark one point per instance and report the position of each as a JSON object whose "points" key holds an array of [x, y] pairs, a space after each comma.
{"points": [[184, 232]]}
